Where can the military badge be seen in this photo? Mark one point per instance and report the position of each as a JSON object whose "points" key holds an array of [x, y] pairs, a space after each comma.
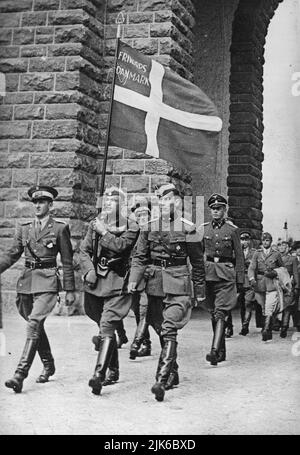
{"points": [[50, 244]]}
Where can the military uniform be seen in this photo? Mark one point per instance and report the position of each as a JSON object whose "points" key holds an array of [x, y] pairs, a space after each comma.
{"points": [[162, 257], [224, 269], [291, 264], [39, 283], [106, 302], [261, 272], [246, 297]]}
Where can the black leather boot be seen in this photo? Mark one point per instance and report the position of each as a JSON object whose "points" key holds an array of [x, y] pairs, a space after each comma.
{"points": [[173, 379], [229, 326], [113, 374], [167, 358], [145, 349], [245, 325], [16, 383], [45, 354], [267, 330], [103, 360], [218, 348], [138, 339], [121, 335], [259, 317], [285, 323]]}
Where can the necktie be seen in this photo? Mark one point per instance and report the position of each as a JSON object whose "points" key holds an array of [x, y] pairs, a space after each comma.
{"points": [[38, 227]]}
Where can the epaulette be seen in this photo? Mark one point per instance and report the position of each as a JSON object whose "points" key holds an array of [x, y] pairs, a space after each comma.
{"points": [[231, 223]]}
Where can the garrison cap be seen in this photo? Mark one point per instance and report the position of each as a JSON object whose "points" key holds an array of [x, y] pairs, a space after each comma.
{"points": [[42, 192], [216, 199], [141, 204], [167, 188], [267, 235], [245, 235]]}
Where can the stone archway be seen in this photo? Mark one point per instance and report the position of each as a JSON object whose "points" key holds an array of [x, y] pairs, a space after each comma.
{"points": [[244, 181]]}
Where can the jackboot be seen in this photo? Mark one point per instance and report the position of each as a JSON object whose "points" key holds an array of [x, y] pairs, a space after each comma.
{"points": [[267, 330], [103, 360], [168, 356], [45, 354], [218, 347], [138, 339], [229, 326], [285, 322], [16, 382], [173, 378], [113, 369], [245, 324], [145, 349], [121, 335]]}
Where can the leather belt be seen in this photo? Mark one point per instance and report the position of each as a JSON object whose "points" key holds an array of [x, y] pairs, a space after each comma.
{"points": [[40, 265], [169, 262], [219, 259]]}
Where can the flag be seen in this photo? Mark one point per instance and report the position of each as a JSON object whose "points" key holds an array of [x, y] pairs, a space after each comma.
{"points": [[159, 113]]}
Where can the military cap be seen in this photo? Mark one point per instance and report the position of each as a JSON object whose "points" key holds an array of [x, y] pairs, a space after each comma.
{"points": [[114, 191], [296, 245], [245, 235], [42, 192], [167, 188], [216, 199], [266, 235], [141, 204], [279, 241]]}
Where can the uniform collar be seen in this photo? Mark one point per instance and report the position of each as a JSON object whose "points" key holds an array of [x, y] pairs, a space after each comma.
{"points": [[43, 222], [217, 223]]}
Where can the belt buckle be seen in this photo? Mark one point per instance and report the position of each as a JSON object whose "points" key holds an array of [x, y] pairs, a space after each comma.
{"points": [[164, 263], [216, 259], [103, 262], [32, 265]]}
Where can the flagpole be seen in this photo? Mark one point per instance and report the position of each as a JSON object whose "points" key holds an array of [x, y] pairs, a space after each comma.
{"points": [[119, 21]]}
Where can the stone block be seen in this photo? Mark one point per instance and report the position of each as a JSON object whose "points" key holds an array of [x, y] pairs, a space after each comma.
{"points": [[136, 31], [37, 81], [24, 177], [157, 166], [67, 81], [115, 6], [6, 37], [14, 130], [34, 19], [244, 181], [54, 129], [18, 98], [33, 51], [131, 154], [70, 34], [4, 146], [27, 112], [15, 160], [9, 51], [13, 65], [137, 18], [50, 64], [17, 209], [147, 46], [57, 50], [28, 146], [52, 160], [60, 177], [155, 5], [6, 113], [10, 20], [68, 17], [5, 178], [8, 194], [23, 36], [46, 5], [62, 111], [160, 30], [5, 224], [135, 184], [12, 82], [128, 166], [65, 145]]}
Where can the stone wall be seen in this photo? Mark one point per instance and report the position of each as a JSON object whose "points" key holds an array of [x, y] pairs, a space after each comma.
{"points": [[57, 57]]}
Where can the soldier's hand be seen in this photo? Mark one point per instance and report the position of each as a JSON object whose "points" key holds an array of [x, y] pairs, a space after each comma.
{"points": [[99, 226], [70, 298], [132, 287], [91, 278]]}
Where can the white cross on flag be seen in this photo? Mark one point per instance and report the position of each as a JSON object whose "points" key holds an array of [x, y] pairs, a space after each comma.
{"points": [[157, 112]]}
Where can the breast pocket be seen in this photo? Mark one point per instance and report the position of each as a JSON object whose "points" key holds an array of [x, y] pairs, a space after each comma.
{"points": [[208, 242], [50, 244]]}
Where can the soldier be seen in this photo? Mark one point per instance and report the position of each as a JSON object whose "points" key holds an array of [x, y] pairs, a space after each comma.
{"points": [[261, 274], [164, 250], [38, 286], [224, 272], [104, 270], [246, 298], [290, 263], [141, 345], [296, 312]]}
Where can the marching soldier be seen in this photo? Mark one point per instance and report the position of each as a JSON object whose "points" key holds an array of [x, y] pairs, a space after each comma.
{"points": [[164, 250], [104, 265], [261, 274], [37, 288], [246, 298], [296, 312], [290, 263], [224, 264]]}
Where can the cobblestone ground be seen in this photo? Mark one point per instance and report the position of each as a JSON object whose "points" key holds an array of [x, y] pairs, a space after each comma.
{"points": [[256, 391]]}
